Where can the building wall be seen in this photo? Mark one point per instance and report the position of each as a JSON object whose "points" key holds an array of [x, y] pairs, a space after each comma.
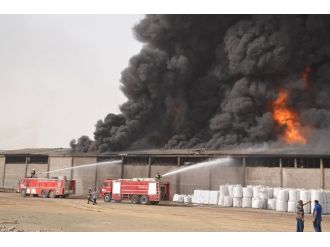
{"points": [[57, 163], [2, 170], [107, 171], [85, 177], [136, 171], [226, 175], [14, 172], [263, 175], [301, 178], [39, 168], [327, 178]]}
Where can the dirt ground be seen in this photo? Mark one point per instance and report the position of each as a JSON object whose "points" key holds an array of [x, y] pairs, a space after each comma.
{"points": [[75, 215]]}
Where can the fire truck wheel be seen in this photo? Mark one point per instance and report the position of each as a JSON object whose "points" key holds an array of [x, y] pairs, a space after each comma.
{"points": [[144, 200], [107, 197], [44, 194], [135, 199], [51, 194], [23, 192]]}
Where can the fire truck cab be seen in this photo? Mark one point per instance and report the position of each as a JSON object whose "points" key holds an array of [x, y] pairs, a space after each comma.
{"points": [[137, 190], [46, 187]]}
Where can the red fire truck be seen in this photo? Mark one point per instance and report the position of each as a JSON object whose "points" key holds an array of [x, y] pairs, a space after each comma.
{"points": [[47, 187], [137, 190]]}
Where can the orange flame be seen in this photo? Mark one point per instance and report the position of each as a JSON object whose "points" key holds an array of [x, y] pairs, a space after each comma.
{"points": [[288, 119]]}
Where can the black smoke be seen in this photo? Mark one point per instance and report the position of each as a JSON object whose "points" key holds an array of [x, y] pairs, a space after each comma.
{"points": [[209, 80]]}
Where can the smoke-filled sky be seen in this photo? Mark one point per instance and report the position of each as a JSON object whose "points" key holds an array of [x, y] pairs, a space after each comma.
{"points": [[59, 74]]}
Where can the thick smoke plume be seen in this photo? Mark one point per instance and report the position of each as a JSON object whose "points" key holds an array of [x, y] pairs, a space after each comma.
{"points": [[210, 80]]}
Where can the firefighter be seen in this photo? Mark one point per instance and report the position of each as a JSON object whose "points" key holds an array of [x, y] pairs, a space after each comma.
{"points": [[90, 195], [95, 195], [158, 176], [33, 173]]}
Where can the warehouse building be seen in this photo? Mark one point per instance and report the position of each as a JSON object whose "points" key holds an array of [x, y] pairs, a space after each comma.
{"points": [[287, 170]]}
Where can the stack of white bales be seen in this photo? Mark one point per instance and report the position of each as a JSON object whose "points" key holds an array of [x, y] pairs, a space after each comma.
{"points": [[247, 197], [237, 196], [201, 197], [226, 195], [260, 197], [305, 196], [320, 196], [294, 196], [282, 200], [222, 193]]}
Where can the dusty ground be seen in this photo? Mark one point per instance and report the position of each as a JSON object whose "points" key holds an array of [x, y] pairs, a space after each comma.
{"points": [[37, 214]]}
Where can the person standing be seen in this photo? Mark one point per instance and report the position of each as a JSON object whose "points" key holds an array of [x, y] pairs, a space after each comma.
{"points": [[317, 216], [158, 176], [89, 196], [95, 195], [301, 215]]}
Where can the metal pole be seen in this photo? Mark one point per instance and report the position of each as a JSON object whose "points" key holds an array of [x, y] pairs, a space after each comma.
{"points": [[48, 166], [95, 178], [178, 183], [149, 167], [122, 167], [322, 173], [281, 173], [71, 171], [295, 163], [243, 171], [26, 165], [4, 173]]}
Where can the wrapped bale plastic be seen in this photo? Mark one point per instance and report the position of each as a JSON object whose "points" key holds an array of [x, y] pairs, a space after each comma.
{"points": [[187, 199], [294, 195], [259, 203], [283, 195], [196, 199], [281, 206], [247, 202], [305, 195], [255, 192], [213, 197], [263, 194], [247, 192], [205, 196], [223, 190], [317, 195], [228, 201], [292, 207], [270, 192], [231, 190], [178, 198], [221, 200], [271, 204], [275, 192], [237, 202], [307, 209], [238, 191]]}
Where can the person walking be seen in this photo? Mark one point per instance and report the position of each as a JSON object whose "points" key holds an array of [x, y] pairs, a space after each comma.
{"points": [[90, 196], [95, 195], [317, 216], [300, 215]]}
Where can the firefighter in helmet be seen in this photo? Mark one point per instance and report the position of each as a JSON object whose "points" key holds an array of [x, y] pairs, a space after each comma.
{"points": [[90, 195], [33, 173], [158, 176]]}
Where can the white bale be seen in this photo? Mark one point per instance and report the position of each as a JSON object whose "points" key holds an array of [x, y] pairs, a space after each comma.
{"points": [[305, 195], [255, 202], [283, 195], [275, 192], [255, 192], [270, 192], [237, 202], [307, 209], [228, 201], [205, 196], [293, 195], [238, 191], [281, 206], [271, 204], [187, 199], [259, 203], [246, 202], [221, 200], [263, 194], [317, 195], [223, 190], [175, 197], [196, 199], [213, 197], [178, 198], [231, 190], [247, 192], [327, 196], [292, 207]]}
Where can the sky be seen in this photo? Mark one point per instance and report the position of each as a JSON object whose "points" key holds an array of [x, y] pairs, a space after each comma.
{"points": [[59, 74]]}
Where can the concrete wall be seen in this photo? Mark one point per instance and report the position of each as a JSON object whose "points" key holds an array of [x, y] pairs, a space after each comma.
{"points": [[191, 180], [226, 175], [107, 171], [57, 163], [14, 172], [327, 178], [135, 170], [39, 168], [263, 175], [2, 170], [301, 178], [85, 177]]}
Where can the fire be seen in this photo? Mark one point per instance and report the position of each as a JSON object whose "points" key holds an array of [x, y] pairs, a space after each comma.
{"points": [[288, 119]]}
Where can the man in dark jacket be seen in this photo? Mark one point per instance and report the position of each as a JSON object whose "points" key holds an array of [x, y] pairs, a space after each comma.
{"points": [[90, 195], [95, 195], [317, 216], [300, 217]]}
